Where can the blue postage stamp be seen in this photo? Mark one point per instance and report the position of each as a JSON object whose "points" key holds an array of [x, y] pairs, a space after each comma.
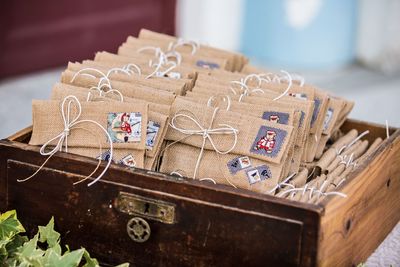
{"points": [[151, 134], [277, 117], [268, 142]]}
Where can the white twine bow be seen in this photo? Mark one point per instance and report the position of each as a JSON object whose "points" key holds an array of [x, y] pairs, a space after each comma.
{"points": [[62, 137], [206, 133], [267, 77], [225, 98], [103, 94], [162, 61], [127, 69], [104, 81], [181, 42]]}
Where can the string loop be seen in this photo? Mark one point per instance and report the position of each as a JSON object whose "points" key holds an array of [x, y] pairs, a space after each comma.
{"points": [[206, 133], [70, 122]]}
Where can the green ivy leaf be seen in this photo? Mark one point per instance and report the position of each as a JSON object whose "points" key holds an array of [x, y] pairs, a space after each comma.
{"points": [[47, 233], [13, 246], [123, 265], [90, 262], [12, 262], [71, 259], [9, 225], [29, 250]]}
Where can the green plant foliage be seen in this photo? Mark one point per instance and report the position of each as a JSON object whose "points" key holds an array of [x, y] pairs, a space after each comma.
{"points": [[43, 250]]}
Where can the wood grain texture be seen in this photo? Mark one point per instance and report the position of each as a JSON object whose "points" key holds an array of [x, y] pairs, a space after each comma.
{"points": [[247, 228]]}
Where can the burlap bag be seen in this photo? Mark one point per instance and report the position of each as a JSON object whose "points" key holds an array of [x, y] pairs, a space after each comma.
{"points": [[156, 125], [61, 90], [173, 78], [348, 106], [335, 106], [238, 60], [330, 154], [301, 106], [187, 56], [130, 50], [320, 99], [176, 86], [125, 123], [274, 113], [353, 151], [219, 77], [249, 69], [371, 149], [189, 164], [304, 107], [312, 145], [135, 91], [143, 63], [130, 158], [181, 158], [332, 121], [300, 179], [321, 146], [250, 137], [340, 174], [335, 181], [301, 195]]}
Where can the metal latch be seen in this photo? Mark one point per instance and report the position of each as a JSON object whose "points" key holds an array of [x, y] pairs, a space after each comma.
{"points": [[146, 207]]}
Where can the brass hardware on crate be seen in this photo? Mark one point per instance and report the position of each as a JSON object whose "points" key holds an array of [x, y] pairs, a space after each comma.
{"points": [[148, 208], [138, 229]]}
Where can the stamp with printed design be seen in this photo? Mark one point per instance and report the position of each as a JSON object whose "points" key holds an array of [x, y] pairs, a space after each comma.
{"points": [[105, 155], [328, 118], [277, 117], [269, 141], [207, 65], [151, 134], [128, 161], [124, 127], [317, 104], [238, 163], [258, 174]]}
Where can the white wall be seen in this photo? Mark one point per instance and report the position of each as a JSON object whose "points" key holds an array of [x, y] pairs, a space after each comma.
{"points": [[214, 22]]}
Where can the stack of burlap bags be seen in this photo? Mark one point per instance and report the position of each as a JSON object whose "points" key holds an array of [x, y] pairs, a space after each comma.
{"points": [[191, 110]]}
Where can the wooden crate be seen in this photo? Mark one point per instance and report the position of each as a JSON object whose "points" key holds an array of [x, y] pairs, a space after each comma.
{"points": [[195, 223]]}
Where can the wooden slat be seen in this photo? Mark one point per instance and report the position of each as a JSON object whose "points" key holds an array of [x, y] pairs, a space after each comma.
{"points": [[205, 234], [22, 136], [307, 214]]}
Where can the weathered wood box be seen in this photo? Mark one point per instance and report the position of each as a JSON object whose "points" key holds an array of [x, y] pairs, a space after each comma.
{"points": [[191, 223]]}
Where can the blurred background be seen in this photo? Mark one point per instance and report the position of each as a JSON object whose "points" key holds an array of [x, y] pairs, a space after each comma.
{"points": [[349, 47]]}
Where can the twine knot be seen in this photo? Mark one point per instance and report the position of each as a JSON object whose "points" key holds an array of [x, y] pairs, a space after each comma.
{"points": [[62, 138], [206, 133]]}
